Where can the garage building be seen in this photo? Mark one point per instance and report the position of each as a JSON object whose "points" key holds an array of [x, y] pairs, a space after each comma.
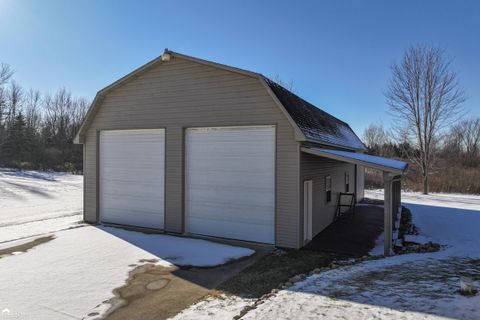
{"points": [[193, 147]]}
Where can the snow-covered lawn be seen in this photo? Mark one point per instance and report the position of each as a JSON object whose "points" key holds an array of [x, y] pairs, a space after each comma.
{"points": [[222, 307], [445, 200], [412, 286], [73, 273], [30, 229], [31, 196]]}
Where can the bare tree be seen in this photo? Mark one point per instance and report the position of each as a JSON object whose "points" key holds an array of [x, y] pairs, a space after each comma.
{"points": [[374, 136], [37, 131], [58, 117], [78, 112], [425, 98], [470, 138], [33, 115], [5, 73], [14, 101], [453, 143], [63, 116]]}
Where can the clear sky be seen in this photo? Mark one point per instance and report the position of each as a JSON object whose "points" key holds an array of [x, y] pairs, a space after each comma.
{"points": [[337, 53]]}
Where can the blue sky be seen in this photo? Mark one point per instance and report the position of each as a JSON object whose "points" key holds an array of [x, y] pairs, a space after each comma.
{"points": [[337, 53]]}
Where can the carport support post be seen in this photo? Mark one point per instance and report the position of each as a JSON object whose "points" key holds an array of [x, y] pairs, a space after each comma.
{"points": [[387, 213]]}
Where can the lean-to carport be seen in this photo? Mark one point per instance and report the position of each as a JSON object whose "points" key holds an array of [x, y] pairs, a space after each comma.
{"points": [[392, 173]]}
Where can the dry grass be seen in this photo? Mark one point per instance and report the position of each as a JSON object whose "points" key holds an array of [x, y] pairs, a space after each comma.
{"points": [[273, 269], [445, 177]]}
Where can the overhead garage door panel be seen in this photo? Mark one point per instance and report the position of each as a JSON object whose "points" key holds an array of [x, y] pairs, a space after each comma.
{"points": [[230, 181], [132, 178]]}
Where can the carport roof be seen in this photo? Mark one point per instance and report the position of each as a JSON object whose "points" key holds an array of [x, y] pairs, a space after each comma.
{"points": [[375, 162]]}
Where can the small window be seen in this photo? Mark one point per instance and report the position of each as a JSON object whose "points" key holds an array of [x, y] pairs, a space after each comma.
{"points": [[347, 182], [328, 188]]}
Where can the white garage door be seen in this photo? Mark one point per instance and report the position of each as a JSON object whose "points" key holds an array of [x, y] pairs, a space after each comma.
{"points": [[230, 182], [132, 177]]}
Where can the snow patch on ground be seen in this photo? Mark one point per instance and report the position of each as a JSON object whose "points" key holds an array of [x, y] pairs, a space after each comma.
{"points": [[11, 244], [416, 238], [446, 200], [36, 228], [406, 287], [378, 250], [219, 308], [449, 219], [411, 286], [181, 251], [72, 274], [34, 203], [27, 196]]}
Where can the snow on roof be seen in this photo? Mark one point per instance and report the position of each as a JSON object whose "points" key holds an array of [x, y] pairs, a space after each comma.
{"points": [[381, 163], [315, 123]]}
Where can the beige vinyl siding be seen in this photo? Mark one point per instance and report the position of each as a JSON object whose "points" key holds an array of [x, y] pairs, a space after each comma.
{"points": [[316, 169], [90, 177], [182, 94]]}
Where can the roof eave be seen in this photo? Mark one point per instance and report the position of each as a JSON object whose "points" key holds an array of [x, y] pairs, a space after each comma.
{"points": [[80, 136], [215, 64], [334, 145], [356, 161]]}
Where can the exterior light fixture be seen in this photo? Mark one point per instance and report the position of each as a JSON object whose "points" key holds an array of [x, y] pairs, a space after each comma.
{"points": [[166, 56]]}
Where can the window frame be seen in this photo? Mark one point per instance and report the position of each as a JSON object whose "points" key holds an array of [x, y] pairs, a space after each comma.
{"points": [[347, 182], [328, 188]]}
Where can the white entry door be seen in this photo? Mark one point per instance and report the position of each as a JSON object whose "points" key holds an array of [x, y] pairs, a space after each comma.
{"points": [[307, 210], [230, 182], [131, 177]]}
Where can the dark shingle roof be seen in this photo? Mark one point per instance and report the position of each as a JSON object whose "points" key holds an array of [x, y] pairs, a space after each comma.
{"points": [[315, 123]]}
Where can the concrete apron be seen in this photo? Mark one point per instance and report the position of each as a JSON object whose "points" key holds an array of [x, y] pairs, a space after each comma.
{"points": [[156, 292]]}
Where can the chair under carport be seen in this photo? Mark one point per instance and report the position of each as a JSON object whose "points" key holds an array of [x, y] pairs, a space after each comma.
{"points": [[393, 171]]}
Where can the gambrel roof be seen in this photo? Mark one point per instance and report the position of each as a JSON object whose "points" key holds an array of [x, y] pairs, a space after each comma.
{"points": [[310, 123]]}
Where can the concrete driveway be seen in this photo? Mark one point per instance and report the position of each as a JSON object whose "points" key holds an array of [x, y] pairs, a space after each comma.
{"points": [[157, 292], [92, 271]]}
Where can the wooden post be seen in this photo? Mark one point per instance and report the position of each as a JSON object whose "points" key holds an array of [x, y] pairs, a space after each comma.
{"points": [[387, 214], [399, 193], [395, 197]]}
